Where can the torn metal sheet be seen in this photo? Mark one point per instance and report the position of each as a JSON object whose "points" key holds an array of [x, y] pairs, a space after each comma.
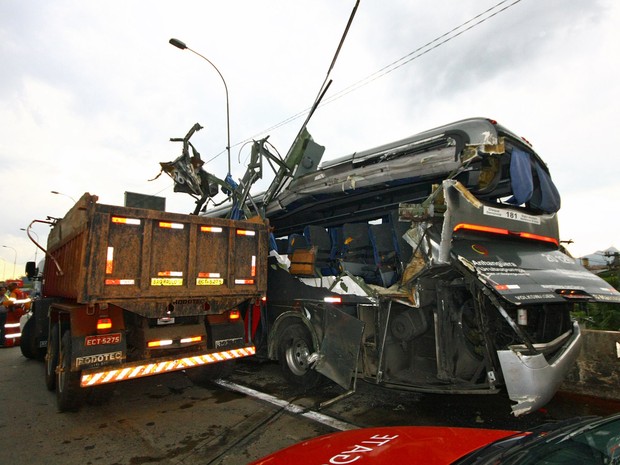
{"points": [[532, 380], [340, 347]]}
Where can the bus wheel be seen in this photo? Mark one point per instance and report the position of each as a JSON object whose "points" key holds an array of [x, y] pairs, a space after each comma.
{"points": [[68, 391], [51, 358], [294, 348]]}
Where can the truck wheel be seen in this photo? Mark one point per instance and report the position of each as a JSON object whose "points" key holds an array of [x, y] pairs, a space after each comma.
{"points": [[28, 344], [294, 348], [205, 375], [51, 358], [68, 391]]}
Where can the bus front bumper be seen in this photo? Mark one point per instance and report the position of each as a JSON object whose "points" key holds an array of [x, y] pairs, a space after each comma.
{"points": [[532, 380]]}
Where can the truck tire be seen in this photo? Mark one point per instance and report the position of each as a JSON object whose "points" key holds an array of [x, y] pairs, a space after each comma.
{"points": [[51, 358], [68, 391], [28, 343], [294, 347], [205, 375]]}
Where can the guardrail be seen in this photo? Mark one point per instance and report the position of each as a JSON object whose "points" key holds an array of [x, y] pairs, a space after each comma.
{"points": [[597, 371]]}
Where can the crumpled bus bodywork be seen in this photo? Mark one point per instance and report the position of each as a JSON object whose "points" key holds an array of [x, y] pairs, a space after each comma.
{"points": [[431, 264]]}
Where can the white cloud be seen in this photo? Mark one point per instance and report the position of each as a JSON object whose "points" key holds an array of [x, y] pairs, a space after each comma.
{"points": [[92, 91]]}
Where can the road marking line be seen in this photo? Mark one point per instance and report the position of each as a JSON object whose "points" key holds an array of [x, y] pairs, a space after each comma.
{"points": [[292, 408]]}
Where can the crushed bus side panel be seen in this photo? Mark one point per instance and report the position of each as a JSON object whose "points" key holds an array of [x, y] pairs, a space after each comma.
{"points": [[452, 262]]}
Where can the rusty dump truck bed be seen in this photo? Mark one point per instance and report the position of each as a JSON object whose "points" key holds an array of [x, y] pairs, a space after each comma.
{"points": [[143, 260]]}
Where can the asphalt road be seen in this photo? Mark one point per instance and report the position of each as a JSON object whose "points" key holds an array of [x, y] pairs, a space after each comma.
{"points": [[167, 420], [163, 419]]}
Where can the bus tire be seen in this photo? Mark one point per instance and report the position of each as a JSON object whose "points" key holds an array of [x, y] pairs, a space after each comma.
{"points": [[68, 391], [294, 347], [51, 358]]}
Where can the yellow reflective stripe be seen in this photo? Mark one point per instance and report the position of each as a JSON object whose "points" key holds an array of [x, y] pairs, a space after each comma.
{"points": [[109, 376], [113, 375], [123, 373]]}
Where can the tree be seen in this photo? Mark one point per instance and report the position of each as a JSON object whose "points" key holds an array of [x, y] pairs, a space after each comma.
{"points": [[602, 316]]}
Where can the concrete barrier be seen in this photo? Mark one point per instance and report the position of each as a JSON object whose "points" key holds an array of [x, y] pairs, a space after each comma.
{"points": [[597, 371]]}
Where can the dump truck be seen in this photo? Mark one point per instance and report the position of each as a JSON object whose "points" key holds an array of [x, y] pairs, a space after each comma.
{"points": [[132, 292]]}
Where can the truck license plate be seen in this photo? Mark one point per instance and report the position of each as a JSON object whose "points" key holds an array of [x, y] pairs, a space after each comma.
{"points": [[209, 281], [101, 339]]}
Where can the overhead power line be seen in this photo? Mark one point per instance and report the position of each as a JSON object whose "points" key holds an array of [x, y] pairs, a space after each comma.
{"points": [[408, 58]]}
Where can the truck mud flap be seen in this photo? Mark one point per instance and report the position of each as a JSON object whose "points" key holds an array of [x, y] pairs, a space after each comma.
{"points": [[339, 346]]}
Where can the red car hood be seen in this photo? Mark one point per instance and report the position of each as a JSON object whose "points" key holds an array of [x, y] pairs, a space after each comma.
{"points": [[390, 445]]}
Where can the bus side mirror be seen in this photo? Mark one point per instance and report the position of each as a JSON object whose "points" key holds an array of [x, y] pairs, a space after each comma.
{"points": [[31, 269]]}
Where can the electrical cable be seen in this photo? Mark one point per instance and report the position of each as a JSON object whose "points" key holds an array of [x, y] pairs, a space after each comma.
{"points": [[408, 58]]}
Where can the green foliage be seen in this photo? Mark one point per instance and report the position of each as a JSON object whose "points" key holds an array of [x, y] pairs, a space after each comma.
{"points": [[602, 316]]}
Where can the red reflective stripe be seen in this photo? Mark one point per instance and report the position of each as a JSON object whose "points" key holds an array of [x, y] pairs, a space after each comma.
{"points": [[480, 228], [119, 282], [170, 273], [160, 343], [505, 232], [168, 225], [109, 264], [246, 232], [119, 220], [214, 229], [539, 238]]}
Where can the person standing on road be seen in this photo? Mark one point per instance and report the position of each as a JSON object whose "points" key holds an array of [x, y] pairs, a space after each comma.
{"points": [[18, 297], [15, 301], [4, 308]]}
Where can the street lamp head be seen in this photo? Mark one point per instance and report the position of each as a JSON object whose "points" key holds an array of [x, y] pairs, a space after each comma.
{"points": [[15, 259], [178, 44], [65, 195]]}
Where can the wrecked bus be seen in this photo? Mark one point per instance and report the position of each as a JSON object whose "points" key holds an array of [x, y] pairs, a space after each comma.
{"points": [[431, 264]]}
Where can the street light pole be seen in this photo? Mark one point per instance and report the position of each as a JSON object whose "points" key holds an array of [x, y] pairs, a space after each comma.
{"points": [[14, 260], [36, 249], [60, 193], [181, 45]]}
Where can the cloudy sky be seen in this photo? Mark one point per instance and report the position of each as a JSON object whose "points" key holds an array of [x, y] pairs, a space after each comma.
{"points": [[91, 92]]}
